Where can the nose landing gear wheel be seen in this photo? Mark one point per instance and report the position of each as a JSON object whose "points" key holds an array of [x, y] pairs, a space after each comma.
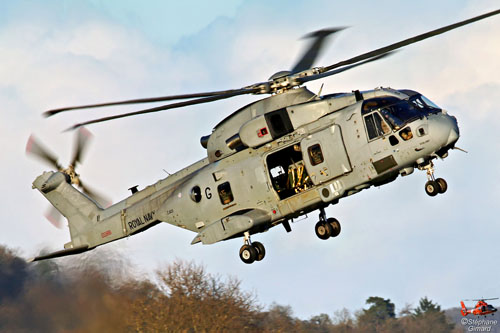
{"points": [[433, 186]]}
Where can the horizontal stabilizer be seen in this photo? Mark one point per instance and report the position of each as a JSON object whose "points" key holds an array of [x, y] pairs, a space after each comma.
{"points": [[62, 253]]}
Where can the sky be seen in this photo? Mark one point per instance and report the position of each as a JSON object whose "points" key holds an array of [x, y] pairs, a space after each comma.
{"points": [[396, 242]]}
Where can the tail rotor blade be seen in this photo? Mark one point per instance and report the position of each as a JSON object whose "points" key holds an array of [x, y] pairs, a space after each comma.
{"points": [[83, 136], [54, 217], [35, 148]]}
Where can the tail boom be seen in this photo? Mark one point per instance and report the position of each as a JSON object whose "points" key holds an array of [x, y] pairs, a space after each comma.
{"points": [[83, 214], [464, 309], [90, 225]]}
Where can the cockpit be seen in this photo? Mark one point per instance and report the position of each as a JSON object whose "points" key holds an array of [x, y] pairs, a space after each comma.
{"points": [[384, 114], [399, 112]]}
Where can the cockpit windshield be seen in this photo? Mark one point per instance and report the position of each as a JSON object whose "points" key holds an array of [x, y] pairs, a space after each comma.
{"points": [[422, 102], [400, 112]]}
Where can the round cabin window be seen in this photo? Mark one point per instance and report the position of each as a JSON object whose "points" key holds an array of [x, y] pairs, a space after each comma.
{"points": [[196, 194]]}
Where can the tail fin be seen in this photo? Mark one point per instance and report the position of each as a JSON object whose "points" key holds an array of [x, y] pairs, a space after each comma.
{"points": [[79, 209], [464, 309]]}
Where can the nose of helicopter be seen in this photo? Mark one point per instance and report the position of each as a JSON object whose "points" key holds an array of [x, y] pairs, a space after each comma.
{"points": [[454, 131], [444, 130]]}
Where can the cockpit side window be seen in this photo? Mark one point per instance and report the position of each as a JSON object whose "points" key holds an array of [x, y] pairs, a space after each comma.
{"points": [[376, 126], [370, 127]]}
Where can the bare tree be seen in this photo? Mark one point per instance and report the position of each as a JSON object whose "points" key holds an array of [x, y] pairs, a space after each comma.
{"points": [[191, 300]]}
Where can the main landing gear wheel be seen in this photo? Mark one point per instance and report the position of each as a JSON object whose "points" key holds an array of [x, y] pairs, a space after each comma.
{"points": [[432, 188], [323, 230], [443, 185], [261, 250], [251, 252], [335, 224], [248, 254], [326, 228]]}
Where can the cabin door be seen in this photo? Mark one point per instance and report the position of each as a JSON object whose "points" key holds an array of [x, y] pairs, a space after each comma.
{"points": [[324, 155]]}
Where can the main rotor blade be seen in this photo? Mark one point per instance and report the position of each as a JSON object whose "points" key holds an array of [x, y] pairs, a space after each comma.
{"points": [[81, 143], [237, 92], [52, 112], [314, 49], [343, 69], [407, 41], [34, 147]]}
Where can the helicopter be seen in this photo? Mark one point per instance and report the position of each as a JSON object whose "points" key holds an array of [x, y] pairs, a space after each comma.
{"points": [[269, 162], [481, 309]]}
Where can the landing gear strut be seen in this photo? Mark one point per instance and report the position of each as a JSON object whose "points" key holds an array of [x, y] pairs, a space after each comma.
{"points": [[251, 252], [326, 228], [433, 186]]}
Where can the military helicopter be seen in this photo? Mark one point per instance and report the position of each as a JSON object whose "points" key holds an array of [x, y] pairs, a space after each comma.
{"points": [[481, 309], [271, 161]]}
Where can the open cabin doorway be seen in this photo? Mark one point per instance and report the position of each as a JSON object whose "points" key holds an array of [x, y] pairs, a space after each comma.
{"points": [[288, 172]]}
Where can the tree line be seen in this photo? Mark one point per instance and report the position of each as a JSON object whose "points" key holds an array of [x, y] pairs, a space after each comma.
{"points": [[100, 295]]}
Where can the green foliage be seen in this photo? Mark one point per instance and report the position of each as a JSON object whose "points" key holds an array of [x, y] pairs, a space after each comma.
{"points": [[428, 316], [380, 311], [426, 306]]}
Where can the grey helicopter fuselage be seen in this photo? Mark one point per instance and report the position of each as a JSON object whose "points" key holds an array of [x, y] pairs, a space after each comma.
{"points": [[271, 161], [333, 140]]}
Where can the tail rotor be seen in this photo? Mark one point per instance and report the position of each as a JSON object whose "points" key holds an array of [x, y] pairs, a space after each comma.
{"points": [[35, 148]]}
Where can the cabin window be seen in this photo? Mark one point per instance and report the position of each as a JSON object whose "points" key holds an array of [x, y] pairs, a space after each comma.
{"points": [[225, 193], [196, 194], [315, 154], [376, 126]]}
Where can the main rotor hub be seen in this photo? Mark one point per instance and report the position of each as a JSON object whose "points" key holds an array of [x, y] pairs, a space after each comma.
{"points": [[279, 75]]}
